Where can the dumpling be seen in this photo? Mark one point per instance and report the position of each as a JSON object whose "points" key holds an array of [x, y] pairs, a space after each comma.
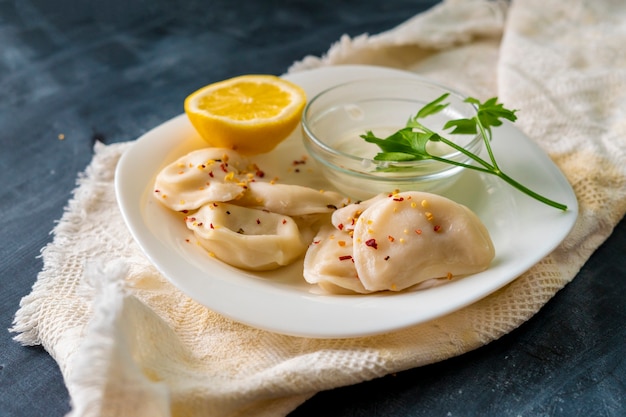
{"points": [[345, 218], [200, 177], [289, 199], [329, 263], [410, 237], [247, 238]]}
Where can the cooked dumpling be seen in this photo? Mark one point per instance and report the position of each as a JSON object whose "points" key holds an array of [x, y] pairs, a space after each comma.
{"points": [[410, 237], [345, 218], [200, 177], [328, 262], [247, 238], [289, 199]]}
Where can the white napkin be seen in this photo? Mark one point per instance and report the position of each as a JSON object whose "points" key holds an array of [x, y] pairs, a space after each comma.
{"points": [[129, 343]]}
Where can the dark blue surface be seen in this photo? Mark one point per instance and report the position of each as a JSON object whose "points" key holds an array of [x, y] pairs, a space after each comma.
{"points": [[113, 70]]}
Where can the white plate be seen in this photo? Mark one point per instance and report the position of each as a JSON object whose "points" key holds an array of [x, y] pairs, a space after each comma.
{"points": [[523, 231]]}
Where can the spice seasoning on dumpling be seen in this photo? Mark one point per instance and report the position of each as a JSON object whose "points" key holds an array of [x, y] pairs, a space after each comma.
{"points": [[437, 238]]}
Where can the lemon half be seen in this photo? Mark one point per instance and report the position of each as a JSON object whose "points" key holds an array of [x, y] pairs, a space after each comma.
{"points": [[250, 113]]}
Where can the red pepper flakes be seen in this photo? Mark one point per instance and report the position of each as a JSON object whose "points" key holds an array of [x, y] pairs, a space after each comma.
{"points": [[187, 240], [211, 226], [157, 191], [258, 221], [387, 258], [284, 221], [340, 226], [227, 212], [371, 243], [316, 242], [398, 199], [200, 224], [391, 238], [345, 257], [184, 211], [211, 174], [299, 162], [437, 228], [224, 167], [259, 173], [418, 231]]}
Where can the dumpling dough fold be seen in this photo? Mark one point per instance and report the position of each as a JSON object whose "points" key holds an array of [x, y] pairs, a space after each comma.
{"points": [[247, 238], [289, 199], [329, 263], [201, 177]]}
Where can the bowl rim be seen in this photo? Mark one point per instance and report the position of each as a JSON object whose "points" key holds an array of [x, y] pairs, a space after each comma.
{"points": [[309, 136]]}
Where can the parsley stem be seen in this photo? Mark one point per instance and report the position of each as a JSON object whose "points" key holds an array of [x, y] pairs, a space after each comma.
{"points": [[486, 134], [466, 153], [528, 191], [494, 170]]}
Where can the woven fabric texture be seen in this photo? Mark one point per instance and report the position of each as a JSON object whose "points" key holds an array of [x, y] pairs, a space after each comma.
{"points": [[129, 343]]}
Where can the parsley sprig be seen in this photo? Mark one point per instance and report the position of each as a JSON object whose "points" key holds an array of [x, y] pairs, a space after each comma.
{"points": [[409, 143]]}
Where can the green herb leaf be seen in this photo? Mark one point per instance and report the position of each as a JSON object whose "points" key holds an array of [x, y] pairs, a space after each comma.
{"points": [[398, 142], [490, 112], [395, 157], [406, 141], [409, 143], [433, 107], [462, 126]]}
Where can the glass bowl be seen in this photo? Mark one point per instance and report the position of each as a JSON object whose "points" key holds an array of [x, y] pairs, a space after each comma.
{"points": [[333, 121]]}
